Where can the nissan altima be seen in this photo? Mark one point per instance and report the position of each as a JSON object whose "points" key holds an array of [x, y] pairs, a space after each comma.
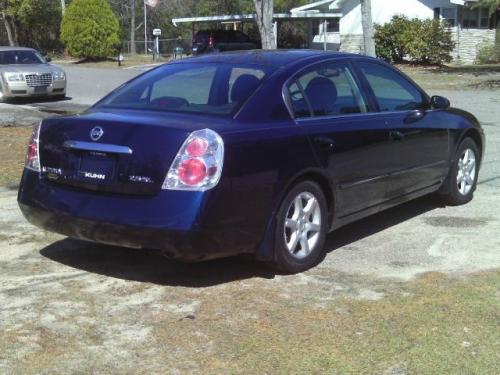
{"points": [[256, 152]]}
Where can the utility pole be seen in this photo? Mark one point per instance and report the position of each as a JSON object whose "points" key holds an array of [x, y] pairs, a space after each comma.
{"points": [[145, 28], [367, 24], [63, 6], [132, 29]]}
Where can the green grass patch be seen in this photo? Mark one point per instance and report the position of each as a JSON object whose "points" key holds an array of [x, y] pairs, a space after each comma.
{"points": [[467, 77], [435, 325], [13, 146]]}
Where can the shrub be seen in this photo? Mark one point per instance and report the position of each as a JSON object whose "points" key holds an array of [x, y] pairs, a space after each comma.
{"points": [[90, 29], [486, 54], [419, 41]]}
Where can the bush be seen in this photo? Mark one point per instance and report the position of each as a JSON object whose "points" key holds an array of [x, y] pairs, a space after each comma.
{"points": [[90, 29], [419, 41], [486, 54]]}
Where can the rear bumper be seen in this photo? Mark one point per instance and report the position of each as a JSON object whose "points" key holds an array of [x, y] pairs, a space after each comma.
{"points": [[188, 245], [175, 222]]}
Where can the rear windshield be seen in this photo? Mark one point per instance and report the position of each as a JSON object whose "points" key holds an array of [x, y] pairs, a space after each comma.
{"points": [[21, 58], [217, 89]]}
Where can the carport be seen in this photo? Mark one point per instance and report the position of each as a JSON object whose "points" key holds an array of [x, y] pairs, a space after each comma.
{"points": [[294, 15]]}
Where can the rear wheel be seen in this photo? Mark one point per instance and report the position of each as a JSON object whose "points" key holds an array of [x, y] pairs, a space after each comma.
{"points": [[301, 228], [461, 182]]}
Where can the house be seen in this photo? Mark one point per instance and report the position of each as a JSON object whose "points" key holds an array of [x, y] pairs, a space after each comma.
{"points": [[470, 27]]}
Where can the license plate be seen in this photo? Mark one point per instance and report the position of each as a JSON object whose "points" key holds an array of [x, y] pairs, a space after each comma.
{"points": [[40, 89], [96, 168]]}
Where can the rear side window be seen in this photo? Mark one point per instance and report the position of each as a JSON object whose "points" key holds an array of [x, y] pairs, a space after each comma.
{"points": [[218, 89], [181, 85], [327, 90], [392, 91]]}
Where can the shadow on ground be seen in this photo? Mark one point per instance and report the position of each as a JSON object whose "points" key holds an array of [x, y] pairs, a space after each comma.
{"points": [[38, 99], [149, 266]]}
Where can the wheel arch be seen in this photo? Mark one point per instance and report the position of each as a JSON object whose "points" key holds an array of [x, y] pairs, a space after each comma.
{"points": [[266, 249], [475, 135], [324, 184]]}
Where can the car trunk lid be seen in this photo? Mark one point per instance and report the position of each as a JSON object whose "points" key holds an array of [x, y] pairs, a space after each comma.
{"points": [[126, 152]]}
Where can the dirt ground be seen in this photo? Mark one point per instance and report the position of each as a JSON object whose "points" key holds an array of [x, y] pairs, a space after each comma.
{"points": [[413, 290]]}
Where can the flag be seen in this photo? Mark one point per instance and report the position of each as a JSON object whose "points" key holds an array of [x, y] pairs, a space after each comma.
{"points": [[152, 3]]}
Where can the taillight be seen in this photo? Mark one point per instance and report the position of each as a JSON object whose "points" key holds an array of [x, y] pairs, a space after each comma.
{"points": [[33, 154], [198, 164]]}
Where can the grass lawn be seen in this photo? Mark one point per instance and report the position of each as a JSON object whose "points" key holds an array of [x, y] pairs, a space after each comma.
{"points": [[467, 77], [129, 61], [13, 146], [434, 325]]}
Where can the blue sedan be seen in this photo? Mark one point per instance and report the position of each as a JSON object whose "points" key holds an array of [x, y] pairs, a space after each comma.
{"points": [[257, 152]]}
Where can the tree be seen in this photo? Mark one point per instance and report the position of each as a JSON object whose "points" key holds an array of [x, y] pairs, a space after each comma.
{"points": [[367, 24], [494, 9], [7, 12], [26, 23], [90, 29], [264, 12]]}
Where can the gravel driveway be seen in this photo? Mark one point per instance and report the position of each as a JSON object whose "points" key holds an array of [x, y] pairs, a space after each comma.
{"points": [[72, 307]]}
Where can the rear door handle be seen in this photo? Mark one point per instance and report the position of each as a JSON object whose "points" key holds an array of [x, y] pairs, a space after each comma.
{"points": [[396, 135], [324, 143]]}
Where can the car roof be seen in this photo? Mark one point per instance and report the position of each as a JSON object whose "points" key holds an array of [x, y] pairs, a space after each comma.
{"points": [[270, 58], [6, 48]]}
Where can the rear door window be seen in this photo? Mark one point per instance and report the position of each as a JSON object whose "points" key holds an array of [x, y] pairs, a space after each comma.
{"points": [[392, 91], [327, 90]]}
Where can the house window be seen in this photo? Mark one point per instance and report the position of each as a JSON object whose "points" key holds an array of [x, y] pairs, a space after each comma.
{"points": [[471, 17], [448, 15], [476, 18], [484, 21], [332, 26]]}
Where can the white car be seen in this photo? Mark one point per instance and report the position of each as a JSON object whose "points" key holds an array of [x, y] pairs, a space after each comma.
{"points": [[24, 72]]}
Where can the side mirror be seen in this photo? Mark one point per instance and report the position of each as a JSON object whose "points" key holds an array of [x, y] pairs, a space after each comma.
{"points": [[48, 59], [439, 102]]}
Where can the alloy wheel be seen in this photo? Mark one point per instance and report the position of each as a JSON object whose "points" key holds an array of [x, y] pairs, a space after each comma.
{"points": [[466, 171], [302, 225]]}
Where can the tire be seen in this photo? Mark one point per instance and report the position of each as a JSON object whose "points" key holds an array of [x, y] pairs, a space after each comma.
{"points": [[459, 186], [300, 236]]}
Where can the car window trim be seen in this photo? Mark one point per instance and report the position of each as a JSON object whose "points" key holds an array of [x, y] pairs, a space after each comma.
{"points": [[293, 79], [341, 116]]}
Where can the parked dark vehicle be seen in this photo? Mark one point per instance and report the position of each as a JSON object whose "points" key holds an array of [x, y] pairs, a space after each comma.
{"points": [[254, 152], [207, 41]]}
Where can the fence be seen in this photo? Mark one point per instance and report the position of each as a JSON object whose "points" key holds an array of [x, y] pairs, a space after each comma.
{"points": [[166, 46]]}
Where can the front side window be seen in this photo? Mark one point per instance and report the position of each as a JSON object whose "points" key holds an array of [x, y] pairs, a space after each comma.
{"points": [[328, 90], [392, 91], [217, 89]]}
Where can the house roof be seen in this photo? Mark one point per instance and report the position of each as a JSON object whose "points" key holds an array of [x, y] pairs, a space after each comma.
{"points": [[334, 4], [252, 17]]}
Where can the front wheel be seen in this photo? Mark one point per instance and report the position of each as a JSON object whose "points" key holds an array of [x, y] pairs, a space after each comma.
{"points": [[301, 228], [461, 182]]}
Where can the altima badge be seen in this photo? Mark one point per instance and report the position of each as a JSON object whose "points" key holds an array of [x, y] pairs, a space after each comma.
{"points": [[96, 133]]}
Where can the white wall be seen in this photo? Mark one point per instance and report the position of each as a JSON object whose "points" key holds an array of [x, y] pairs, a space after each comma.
{"points": [[384, 10]]}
